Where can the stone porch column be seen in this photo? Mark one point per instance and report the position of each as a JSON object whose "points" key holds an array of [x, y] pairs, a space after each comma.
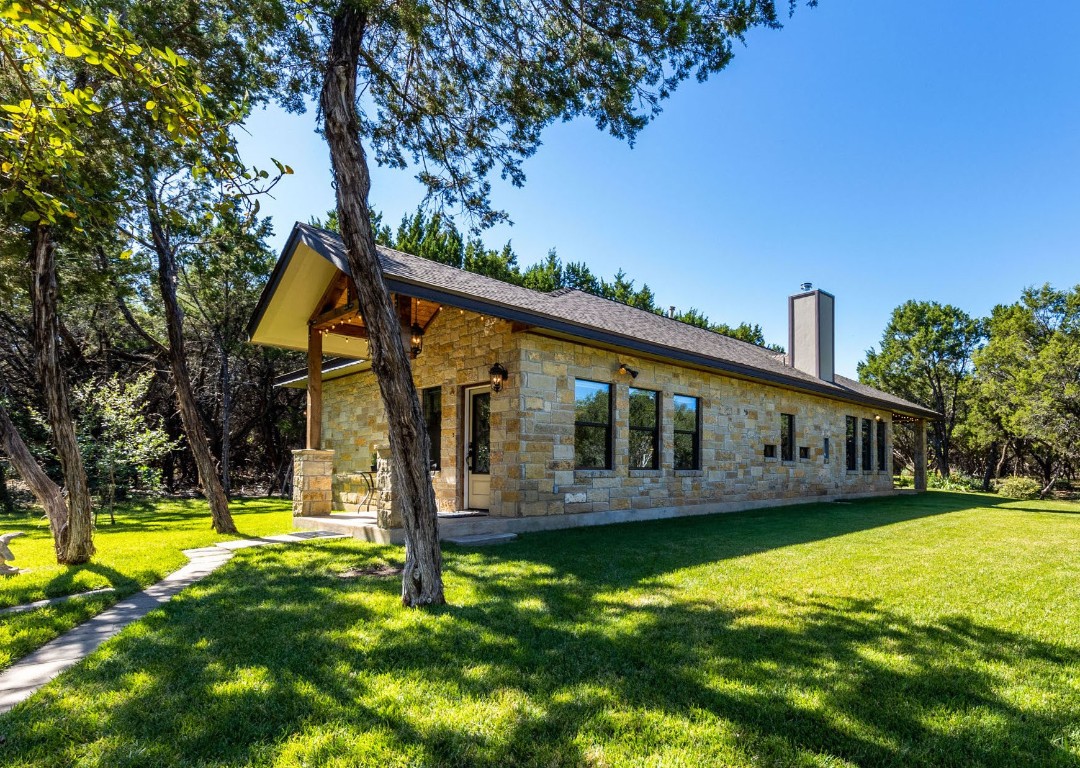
{"points": [[920, 455], [387, 513], [312, 482]]}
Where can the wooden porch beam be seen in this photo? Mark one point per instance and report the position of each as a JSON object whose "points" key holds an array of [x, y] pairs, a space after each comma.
{"points": [[331, 316], [314, 389]]}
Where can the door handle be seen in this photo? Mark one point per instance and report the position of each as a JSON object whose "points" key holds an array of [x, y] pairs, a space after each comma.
{"points": [[469, 457]]}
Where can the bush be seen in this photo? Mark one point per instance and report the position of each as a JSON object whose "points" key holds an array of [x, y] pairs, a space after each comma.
{"points": [[1019, 488], [957, 481]]}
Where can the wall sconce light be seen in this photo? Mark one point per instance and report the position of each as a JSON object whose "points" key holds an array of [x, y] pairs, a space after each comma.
{"points": [[498, 376], [877, 417], [625, 369], [416, 340]]}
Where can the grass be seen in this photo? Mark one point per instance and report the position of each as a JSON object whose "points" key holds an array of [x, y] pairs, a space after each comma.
{"points": [[142, 546], [938, 630]]}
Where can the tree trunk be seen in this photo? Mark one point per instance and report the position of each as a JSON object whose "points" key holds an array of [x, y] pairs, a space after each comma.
{"points": [[5, 496], [991, 463], [189, 412], [422, 576], [226, 419], [74, 538], [44, 489]]}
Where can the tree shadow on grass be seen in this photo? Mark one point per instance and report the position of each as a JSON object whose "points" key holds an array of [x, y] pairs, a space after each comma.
{"points": [[277, 660]]}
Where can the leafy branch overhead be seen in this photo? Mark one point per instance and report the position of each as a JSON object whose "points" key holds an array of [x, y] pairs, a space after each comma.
{"points": [[68, 72], [463, 90]]}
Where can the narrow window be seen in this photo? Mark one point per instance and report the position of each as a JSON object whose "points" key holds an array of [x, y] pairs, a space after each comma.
{"points": [[687, 433], [592, 424], [644, 429], [431, 401], [804, 452], [787, 437], [825, 449], [881, 437], [866, 427], [851, 440], [770, 451]]}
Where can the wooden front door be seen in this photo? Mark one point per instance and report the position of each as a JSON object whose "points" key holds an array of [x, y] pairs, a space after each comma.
{"points": [[478, 448]]}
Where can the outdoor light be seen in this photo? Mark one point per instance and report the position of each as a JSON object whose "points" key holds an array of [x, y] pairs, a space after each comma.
{"points": [[416, 341], [625, 369], [498, 376]]}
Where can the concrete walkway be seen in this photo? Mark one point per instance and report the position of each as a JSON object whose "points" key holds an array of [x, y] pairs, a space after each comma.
{"points": [[27, 675]]}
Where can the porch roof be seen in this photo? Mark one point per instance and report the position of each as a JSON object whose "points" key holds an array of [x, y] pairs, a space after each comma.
{"points": [[312, 257]]}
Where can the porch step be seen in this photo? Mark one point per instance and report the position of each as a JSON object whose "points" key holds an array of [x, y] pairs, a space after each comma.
{"points": [[481, 539]]}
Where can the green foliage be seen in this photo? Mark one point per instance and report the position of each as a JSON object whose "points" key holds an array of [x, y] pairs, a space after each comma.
{"points": [[954, 481], [118, 445], [1019, 487], [1029, 373], [925, 356], [938, 630]]}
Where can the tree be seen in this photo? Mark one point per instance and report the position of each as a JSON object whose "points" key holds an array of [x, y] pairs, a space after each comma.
{"points": [[1029, 376], [926, 357], [466, 90]]}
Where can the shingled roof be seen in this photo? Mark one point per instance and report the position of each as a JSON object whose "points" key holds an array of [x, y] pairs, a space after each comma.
{"points": [[590, 318]]}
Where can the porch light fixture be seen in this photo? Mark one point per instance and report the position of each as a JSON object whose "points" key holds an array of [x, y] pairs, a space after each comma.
{"points": [[626, 369], [498, 376], [416, 340]]}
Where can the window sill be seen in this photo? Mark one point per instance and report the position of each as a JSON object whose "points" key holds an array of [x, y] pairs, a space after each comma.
{"points": [[689, 473], [593, 472], [642, 472]]}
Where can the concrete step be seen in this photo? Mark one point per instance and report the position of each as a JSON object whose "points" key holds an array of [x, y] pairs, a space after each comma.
{"points": [[481, 539]]}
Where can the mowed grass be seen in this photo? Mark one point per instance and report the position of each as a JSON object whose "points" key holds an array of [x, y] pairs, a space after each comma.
{"points": [[939, 630], [143, 546]]}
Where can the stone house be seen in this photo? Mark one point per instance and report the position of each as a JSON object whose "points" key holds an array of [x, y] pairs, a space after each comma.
{"points": [[558, 409]]}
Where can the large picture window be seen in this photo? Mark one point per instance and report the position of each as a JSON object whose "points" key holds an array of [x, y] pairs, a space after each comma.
{"points": [[592, 424], [644, 429], [687, 433], [881, 438], [787, 437], [866, 427], [850, 444], [431, 402]]}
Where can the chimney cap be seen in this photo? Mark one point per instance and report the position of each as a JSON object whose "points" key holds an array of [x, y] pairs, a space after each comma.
{"points": [[806, 286]]}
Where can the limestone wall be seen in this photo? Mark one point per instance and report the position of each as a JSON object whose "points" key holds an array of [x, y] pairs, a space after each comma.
{"points": [[738, 419], [459, 349], [532, 428]]}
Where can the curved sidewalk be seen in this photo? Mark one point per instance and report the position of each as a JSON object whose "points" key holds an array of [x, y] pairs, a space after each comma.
{"points": [[23, 678]]}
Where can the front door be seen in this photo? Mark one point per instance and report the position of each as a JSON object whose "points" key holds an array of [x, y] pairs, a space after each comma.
{"points": [[478, 448]]}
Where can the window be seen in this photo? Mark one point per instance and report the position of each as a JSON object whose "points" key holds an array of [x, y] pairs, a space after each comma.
{"points": [[431, 402], [866, 427], [881, 427], [851, 440], [787, 437], [804, 452], [687, 433], [825, 449], [644, 429], [592, 425], [770, 451]]}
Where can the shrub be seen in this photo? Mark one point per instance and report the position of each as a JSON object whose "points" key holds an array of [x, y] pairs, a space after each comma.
{"points": [[1019, 488], [957, 481]]}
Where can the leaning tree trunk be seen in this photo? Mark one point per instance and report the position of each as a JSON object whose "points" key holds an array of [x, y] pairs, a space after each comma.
{"points": [[422, 576], [74, 539], [6, 503], [44, 489], [220, 516]]}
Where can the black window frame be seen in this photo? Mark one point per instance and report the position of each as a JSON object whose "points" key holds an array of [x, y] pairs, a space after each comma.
{"points": [[769, 452], [825, 449], [654, 429], [607, 427], [787, 437], [867, 443], [882, 437], [431, 406], [695, 434], [851, 444]]}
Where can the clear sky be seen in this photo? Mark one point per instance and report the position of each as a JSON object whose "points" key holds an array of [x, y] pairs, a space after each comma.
{"points": [[884, 151]]}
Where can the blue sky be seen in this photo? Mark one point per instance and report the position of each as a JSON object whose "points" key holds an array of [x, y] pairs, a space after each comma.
{"points": [[884, 151]]}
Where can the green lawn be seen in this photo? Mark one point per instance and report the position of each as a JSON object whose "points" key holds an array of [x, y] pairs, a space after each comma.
{"points": [[142, 546], [939, 630]]}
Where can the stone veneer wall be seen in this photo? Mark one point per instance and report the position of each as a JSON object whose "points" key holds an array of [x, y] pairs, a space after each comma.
{"points": [[459, 349], [738, 418], [532, 428]]}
